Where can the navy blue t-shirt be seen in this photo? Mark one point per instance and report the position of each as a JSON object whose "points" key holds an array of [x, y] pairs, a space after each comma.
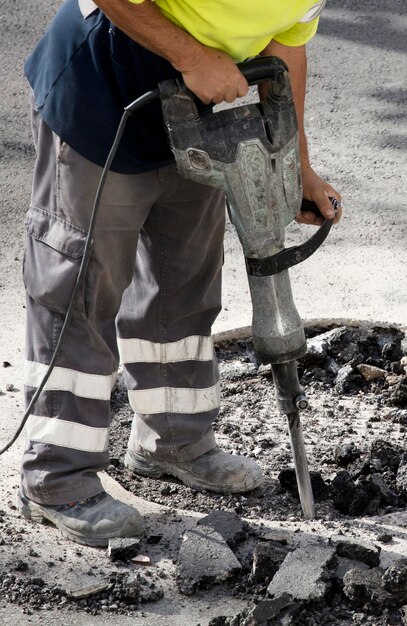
{"points": [[84, 71]]}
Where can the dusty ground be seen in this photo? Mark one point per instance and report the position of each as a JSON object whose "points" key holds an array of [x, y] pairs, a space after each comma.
{"points": [[352, 416], [356, 119]]}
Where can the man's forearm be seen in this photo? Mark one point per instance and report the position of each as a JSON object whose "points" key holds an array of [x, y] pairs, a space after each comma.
{"points": [[296, 60], [146, 24], [314, 188]]}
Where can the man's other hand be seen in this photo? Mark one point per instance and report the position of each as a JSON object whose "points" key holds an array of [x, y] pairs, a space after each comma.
{"points": [[319, 191]]}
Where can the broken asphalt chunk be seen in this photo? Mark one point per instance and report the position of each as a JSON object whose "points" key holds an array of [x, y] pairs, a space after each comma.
{"points": [[86, 590], [320, 489], [345, 565], [276, 535], [363, 497], [398, 396], [227, 524], [388, 497], [391, 351], [346, 375], [364, 587], [385, 453], [371, 372], [336, 342], [346, 453], [123, 549], [317, 349], [401, 476], [268, 557], [394, 580], [267, 610], [385, 538], [356, 549], [204, 559], [304, 574]]}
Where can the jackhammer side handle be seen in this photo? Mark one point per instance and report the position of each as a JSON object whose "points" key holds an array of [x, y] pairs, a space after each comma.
{"points": [[269, 266], [312, 207]]}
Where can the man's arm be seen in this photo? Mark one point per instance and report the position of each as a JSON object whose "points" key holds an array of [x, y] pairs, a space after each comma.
{"points": [[314, 187], [209, 73]]}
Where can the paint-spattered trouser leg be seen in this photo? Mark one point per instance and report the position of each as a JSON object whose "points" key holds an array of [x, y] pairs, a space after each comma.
{"points": [[169, 306]]}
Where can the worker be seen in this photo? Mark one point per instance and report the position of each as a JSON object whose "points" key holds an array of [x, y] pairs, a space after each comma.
{"points": [[153, 282]]}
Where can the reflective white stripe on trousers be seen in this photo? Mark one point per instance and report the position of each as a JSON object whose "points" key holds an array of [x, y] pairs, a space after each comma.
{"points": [[193, 348], [175, 400], [170, 399], [67, 434], [84, 385]]}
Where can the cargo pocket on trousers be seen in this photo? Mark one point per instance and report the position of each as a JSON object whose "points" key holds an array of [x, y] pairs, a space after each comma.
{"points": [[53, 254]]}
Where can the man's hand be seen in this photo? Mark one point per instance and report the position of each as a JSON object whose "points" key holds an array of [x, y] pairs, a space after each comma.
{"points": [[214, 77], [319, 191]]}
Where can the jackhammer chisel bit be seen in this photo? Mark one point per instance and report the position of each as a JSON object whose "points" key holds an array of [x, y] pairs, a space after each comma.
{"points": [[251, 151]]}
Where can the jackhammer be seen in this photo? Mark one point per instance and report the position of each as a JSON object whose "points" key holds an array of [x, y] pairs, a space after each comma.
{"points": [[251, 152]]}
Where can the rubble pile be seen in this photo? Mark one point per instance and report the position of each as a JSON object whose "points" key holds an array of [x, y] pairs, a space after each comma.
{"points": [[359, 359], [285, 578], [354, 432], [121, 592], [338, 581], [371, 481]]}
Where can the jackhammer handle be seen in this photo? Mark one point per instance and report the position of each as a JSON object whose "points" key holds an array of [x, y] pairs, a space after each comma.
{"points": [[255, 71], [260, 69]]}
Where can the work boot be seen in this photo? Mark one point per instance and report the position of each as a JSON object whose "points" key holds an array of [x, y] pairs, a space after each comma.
{"points": [[91, 522], [213, 471]]}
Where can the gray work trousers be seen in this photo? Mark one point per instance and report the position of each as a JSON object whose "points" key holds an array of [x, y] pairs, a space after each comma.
{"points": [[151, 295]]}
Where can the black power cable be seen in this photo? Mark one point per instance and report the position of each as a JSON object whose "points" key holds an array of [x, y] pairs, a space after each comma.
{"points": [[137, 104]]}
